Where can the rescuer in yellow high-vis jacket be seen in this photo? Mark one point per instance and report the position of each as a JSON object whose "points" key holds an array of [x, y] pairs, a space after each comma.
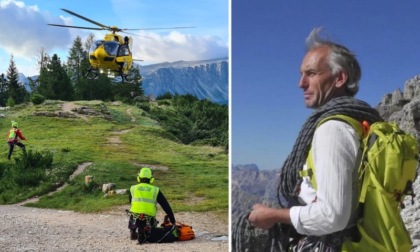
{"points": [[144, 198]]}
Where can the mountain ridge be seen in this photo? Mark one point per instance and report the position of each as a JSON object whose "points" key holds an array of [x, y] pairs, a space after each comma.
{"points": [[206, 79]]}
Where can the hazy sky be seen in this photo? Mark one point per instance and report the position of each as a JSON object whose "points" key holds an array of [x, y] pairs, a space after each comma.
{"points": [[24, 30], [268, 44]]}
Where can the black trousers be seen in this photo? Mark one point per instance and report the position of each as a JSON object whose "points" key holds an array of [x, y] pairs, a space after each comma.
{"points": [[12, 146], [141, 227]]}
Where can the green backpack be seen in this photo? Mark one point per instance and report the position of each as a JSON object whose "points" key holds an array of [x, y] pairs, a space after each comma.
{"points": [[386, 174], [12, 134]]}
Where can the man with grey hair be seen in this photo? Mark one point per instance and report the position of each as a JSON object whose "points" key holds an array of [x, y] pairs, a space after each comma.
{"points": [[330, 75]]}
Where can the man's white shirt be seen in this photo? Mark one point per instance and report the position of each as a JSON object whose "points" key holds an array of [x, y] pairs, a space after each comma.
{"points": [[335, 150]]}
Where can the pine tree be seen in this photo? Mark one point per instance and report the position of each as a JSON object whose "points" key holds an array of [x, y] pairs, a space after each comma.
{"points": [[134, 74], [16, 90], [76, 63], [54, 82], [128, 90], [3, 90]]}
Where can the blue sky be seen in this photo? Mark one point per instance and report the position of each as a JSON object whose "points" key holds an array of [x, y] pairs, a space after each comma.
{"points": [[24, 29], [268, 46]]}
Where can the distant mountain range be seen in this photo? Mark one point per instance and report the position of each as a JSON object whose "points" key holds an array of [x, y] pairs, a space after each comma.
{"points": [[206, 79]]}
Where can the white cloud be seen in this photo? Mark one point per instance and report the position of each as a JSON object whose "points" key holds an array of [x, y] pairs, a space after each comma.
{"points": [[155, 48], [26, 30]]}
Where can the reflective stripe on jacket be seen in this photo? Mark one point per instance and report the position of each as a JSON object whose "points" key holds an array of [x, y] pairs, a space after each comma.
{"points": [[144, 199]]}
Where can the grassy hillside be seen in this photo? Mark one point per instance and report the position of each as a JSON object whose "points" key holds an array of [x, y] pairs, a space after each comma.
{"points": [[118, 139]]}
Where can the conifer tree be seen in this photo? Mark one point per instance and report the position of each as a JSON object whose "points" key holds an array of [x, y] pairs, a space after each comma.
{"points": [[134, 74], [54, 82], [3, 90], [15, 89], [76, 63], [128, 90]]}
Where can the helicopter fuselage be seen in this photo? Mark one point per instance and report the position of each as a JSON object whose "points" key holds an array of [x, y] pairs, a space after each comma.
{"points": [[112, 54]]}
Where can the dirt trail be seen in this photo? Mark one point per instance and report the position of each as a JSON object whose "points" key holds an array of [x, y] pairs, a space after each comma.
{"points": [[32, 229], [68, 108], [80, 169], [133, 119]]}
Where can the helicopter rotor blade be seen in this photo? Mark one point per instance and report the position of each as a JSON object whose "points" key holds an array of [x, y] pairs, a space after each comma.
{"points": [[124, 30], [136, 35], [87, 19], [78, 27], [160, 28], [113, 29]]}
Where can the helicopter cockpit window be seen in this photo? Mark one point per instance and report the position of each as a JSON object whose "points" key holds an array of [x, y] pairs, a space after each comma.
{"points": [[111, 47], [95, 45], [123, 50]]}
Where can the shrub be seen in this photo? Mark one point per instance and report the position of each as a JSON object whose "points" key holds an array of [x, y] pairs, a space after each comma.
{"points": [[10, 102], [165, 96], [144, 106], [35, 159], [194, 121], [37, 99], [163, 102], [30, 169]]}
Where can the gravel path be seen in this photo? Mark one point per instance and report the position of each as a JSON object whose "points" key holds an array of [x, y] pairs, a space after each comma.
{"points": [[34, 229]]}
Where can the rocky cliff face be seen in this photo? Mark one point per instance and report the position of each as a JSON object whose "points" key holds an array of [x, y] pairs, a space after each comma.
{"points": [[204, 79], [248, 183], [249, 186], [254, 186], [403, 107]]}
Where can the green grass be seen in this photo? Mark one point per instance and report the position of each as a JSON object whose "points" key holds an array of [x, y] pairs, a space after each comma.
{"points": [[196, 178]]}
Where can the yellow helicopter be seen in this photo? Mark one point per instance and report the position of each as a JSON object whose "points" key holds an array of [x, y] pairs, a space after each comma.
{"points": [[113, 53]]}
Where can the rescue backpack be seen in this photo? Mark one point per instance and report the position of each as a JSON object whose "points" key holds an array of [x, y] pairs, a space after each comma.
{"points": [[12, 134], [386, 175], [185, 232]]}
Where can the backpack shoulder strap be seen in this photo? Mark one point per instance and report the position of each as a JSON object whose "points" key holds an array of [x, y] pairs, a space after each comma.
{"points": [[358, 127]]}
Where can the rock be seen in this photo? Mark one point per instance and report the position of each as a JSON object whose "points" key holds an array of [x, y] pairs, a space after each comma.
{"points": [[108, 187], [121, 191]]}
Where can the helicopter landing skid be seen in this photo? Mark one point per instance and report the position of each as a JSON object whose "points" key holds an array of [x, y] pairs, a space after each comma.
{"points": [[125, 78], [90, 74]]}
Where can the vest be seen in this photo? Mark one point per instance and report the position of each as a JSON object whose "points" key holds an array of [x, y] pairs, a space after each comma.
{"points": [[144, 199]]}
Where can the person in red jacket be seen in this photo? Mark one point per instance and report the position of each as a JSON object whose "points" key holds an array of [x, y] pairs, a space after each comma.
{"points": [[13, 139]]}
